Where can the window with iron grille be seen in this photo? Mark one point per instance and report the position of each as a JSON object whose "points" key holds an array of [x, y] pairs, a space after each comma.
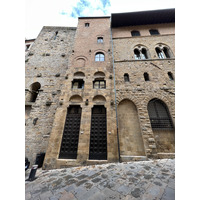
{"points": [[159, 115]]}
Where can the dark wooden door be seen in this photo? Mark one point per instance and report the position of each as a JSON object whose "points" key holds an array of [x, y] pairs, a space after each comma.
{"points": [[98, 134], [70, 138]]}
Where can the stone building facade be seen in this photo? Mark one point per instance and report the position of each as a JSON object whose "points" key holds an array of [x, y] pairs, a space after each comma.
{"points": [[102, 92]]}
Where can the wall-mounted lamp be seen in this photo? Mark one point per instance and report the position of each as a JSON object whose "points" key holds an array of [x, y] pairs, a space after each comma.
{"points": [[111, 102]]}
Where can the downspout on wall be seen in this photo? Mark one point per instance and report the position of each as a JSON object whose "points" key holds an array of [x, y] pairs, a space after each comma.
{"points": [[115, 94]]}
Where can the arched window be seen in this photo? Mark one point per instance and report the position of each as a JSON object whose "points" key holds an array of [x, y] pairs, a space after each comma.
{"points": [[99, 57], [100, 40], [159, 115], [135, 33], [154, 32], [170, 76], [160, 53], [166, 52], [126, 78], [140, 53], [163, 51], [146, 76]]}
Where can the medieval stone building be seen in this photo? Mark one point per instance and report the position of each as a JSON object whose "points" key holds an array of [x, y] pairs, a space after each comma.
{"points": [[102, 92]]}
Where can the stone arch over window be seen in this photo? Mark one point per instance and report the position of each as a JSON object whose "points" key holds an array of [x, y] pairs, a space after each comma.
{"points": [[126, 77], [79, 74], [163, 51], [99, 57], [135, 33], [99, 74], [99, 99], [79, 61], [162, 126], [141, 52], [131, 141], [33, 92], [76, 99]]}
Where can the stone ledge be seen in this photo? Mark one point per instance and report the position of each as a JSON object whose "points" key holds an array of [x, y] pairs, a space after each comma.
{"points": [[132, 158], [166, 155]]}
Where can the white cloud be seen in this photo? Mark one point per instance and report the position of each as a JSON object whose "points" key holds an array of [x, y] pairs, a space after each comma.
{"points": [[58, 12]]}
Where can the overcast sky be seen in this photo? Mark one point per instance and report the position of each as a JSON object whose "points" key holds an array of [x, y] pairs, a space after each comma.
{"points": [[41, 13]]}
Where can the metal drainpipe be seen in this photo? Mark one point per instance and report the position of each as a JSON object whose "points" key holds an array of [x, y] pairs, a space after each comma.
{"points": [[115, 95]]}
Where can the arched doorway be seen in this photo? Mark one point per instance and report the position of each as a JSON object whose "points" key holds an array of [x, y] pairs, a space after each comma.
{"points": [[131, 142], [162, 126]]}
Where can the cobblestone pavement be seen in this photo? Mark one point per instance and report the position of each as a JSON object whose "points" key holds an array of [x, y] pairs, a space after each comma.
{"points": [[145, 180]]}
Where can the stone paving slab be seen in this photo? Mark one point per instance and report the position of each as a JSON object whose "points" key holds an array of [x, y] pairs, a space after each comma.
{"points": [[141, 180]]}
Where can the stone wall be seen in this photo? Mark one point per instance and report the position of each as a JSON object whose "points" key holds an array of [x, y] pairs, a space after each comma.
{"points": [[46, 63], [139, 91]]}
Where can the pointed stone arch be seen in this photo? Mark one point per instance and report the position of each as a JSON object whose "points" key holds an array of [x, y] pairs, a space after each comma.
{"points": [[162, 126], [130, 136]]}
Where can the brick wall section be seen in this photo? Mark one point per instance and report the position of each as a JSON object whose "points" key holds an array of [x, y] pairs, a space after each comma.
{"points": [[83, 60], [46, 63]]}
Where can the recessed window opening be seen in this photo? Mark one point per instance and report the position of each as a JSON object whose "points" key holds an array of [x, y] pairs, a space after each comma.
{"points": [[135, 33], [56, 33], [126, 78], [160, 53], [170, 76], [34, 91], [154, 32], [99, 57], [146, 76], [87, 24], [100, 40], [99, 84], [77, 84], [159, 115]]}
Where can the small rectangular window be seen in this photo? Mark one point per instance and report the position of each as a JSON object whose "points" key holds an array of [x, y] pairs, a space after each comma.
{"points": [[100, 40], [154, 32], [87, 24]]}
